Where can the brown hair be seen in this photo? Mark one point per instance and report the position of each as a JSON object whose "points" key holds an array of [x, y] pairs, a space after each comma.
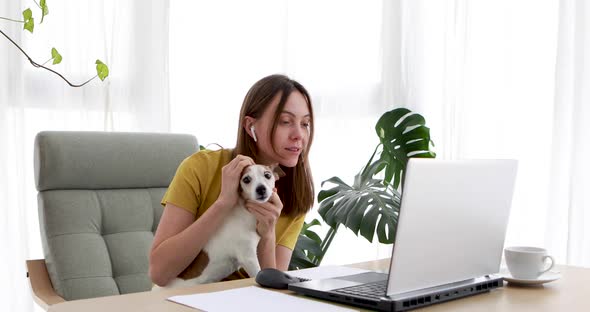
{"points": [[296, 188]]}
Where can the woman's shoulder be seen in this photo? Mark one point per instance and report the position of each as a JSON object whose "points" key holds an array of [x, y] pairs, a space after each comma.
{"points": [[208, 158]]}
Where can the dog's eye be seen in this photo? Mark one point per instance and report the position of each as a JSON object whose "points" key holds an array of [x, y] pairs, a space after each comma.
{"points": [[267, 175], [246, 180]]}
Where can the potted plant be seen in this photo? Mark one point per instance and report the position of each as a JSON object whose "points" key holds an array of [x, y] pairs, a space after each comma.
{"points": [[371, 204]]}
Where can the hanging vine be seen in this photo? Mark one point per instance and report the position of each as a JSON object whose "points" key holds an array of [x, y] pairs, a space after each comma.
{"points": [[28, 21]]}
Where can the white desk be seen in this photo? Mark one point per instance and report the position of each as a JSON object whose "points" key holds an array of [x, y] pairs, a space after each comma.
{"points": [[570, 293]]}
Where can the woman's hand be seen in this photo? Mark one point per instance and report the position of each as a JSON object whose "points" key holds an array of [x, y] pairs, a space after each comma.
{"points": [[266, 214], [230, 179]]}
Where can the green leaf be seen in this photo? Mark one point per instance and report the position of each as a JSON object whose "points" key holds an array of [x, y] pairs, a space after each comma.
{"points": [[314, 236], [101, 70], [355, 218], [309, 233], [403, 134], [27, 14], [385, 235], [359, 207], [368, 227], [312, 223], [298, 263], [323, 194], [44, 9], [29, 20], [336, 180], [55, 56], [308, 249], [309, 244]]}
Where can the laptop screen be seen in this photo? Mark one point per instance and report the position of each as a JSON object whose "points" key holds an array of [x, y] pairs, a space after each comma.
{"points": [[452, 222]]}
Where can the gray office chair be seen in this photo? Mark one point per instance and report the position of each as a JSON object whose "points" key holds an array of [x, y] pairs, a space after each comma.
{"points": [[99, 205]]}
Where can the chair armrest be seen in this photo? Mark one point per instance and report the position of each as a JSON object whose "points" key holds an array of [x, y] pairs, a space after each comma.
{"points": [[43, 292]]}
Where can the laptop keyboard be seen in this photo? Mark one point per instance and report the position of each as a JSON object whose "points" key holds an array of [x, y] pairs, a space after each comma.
{"points": [[374, 290]]}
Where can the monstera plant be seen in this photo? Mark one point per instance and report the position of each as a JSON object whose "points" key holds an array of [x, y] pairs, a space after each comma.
{"points": [[371, 204]]}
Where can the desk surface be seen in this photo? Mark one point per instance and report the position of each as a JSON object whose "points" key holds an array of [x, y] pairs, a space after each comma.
{"points": [[566, 294]]}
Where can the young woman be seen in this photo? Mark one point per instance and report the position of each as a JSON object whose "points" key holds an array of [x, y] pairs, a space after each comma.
{"points": [[276, 126]]}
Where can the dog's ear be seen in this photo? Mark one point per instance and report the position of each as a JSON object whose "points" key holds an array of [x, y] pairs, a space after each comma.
{"points": [[277, 171]]}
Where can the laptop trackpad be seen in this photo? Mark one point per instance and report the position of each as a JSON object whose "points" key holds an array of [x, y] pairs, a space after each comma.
{"points": [[367, 277]]}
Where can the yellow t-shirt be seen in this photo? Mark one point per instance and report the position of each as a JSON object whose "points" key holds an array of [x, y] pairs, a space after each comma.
{"points": [[197, 184]]}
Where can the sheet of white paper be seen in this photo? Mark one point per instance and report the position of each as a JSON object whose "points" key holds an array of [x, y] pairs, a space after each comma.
{"points": [[253, 299], [328, 271]]}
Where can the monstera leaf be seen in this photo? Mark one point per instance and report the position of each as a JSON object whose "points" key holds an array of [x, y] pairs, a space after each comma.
{"points": [[368, 206], [402, 134], [308, 250]]}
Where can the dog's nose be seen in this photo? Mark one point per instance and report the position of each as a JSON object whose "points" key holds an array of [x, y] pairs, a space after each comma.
{"points": [[261, 190]]}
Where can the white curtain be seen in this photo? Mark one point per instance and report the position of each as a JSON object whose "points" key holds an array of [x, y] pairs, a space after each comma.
{"points": [[131, 37], [504, 79], [569, 209]]}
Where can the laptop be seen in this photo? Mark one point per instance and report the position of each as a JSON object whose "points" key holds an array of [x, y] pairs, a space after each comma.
{"points": [[449, 238]]}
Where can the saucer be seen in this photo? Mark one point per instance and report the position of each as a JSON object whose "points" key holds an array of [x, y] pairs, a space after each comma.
{"points": [[545, 278]]}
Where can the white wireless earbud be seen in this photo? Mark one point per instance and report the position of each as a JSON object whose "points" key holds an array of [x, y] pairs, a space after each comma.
{"points": [[253, 133]]}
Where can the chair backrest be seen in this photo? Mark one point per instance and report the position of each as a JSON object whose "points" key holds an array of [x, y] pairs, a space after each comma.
{"points": [[99, 205]]}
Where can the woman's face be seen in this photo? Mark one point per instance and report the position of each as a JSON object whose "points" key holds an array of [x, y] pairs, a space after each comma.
{"points": [[291, 135]]}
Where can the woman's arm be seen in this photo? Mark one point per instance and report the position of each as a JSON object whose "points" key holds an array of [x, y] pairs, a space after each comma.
{"points": [[179, 239], [267, 252], [283, 257], [275, 256]]}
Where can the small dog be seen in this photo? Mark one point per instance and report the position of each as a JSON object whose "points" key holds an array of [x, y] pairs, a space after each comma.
{"points": [[235, 242]]}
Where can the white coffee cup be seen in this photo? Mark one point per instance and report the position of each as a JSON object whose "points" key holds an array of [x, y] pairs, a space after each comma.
{"points": [[527, 262]]}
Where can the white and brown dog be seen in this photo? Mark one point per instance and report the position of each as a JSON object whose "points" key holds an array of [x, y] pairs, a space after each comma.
{"points": [[234, 244]]}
